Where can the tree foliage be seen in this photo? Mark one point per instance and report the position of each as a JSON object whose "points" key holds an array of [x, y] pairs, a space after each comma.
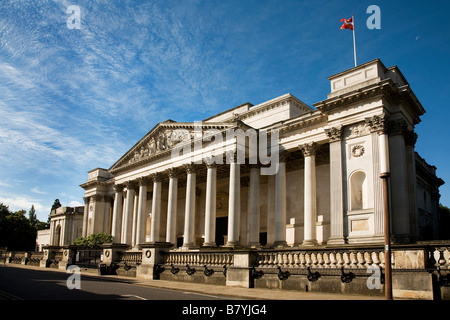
{"points": [[17, 232], [93, 240]]}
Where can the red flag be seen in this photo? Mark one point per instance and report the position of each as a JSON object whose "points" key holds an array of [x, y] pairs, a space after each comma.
{"points": [[348, 23]]}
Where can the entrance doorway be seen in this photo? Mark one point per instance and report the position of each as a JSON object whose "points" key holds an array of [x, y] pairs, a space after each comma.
{"points": [[221, 230]]}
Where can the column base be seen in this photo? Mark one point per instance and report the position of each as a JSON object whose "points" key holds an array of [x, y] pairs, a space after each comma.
{"points": [[336, 240], [254, 245], [280, 244], [209, 245], [233, 245], [309, 243], [189, 246]]}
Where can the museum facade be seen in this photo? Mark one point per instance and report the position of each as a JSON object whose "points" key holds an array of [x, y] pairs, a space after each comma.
{"points": [[276, 174]]}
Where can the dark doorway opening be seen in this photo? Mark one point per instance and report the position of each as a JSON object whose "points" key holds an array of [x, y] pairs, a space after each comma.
{"points": [[221, 230]]}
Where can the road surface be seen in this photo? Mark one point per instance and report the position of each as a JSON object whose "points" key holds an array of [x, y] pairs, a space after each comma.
{"points": [[19, 283]]}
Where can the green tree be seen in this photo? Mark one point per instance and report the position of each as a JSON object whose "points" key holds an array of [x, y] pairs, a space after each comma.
{"points": [[32, 216], [16, 232], [93, 240]]}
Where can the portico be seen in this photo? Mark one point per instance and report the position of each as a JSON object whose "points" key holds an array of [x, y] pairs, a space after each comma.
{"points": [[278, 174]]}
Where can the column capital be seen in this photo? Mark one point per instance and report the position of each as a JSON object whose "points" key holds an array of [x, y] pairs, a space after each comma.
{"points": [[97, 197], [172, 172], [211, 165], [130, 185], [410, 138], [308, 149], [143, 181], [282, 155], [398, 127], [156, 177], [334, 133], [118, 187], [378, 123], [191, 167]]}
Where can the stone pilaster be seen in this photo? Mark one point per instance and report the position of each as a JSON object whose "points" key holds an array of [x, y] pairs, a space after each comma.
{"points": [[335, 135]]}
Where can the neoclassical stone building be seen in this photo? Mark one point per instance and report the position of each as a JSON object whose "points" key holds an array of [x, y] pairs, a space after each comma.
{"points": [[276, 174]]}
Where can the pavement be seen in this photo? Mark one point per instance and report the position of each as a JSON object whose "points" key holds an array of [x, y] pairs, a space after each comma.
{"points": [[222, 291]]}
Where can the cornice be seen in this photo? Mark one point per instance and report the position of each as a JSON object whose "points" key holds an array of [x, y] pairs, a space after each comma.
{"points": [[299, 124], [385, 88]]}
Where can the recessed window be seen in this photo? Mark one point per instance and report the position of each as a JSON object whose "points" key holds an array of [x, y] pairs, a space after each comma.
{"points": [[358, 186]]}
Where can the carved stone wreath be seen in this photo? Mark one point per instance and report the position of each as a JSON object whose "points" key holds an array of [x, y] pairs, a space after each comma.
{"points": [[357, 151]]}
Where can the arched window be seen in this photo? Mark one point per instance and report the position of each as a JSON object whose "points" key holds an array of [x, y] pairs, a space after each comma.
{"points": [[358, 186]]}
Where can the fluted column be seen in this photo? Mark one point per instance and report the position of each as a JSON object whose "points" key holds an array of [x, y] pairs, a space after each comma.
{"points": [[234, 204], [142, 211], [189, 218], [117, 214], [210, 209], [309, 152], [128, 217], [280, 202], [171, 233], [336, 186], [156, 208], [254, 210]]}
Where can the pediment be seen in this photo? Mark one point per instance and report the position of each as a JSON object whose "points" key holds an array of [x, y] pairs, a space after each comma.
{"points": [[159, 141]]}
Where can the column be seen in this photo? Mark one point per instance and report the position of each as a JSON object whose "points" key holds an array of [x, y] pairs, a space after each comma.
{"points": [[134, 223], [309, 151], [128, 216], [117, 213], [280, 202], [85, 216], [399, 181], [171, 234], [189, 215], [254, 211], [234, 204], [141, 211], [106, 219], [156, 208], [336, 186], [210, 209], [410, 141]]}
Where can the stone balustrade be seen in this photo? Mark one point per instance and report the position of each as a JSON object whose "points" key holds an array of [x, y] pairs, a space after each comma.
{"points": [[198, 258], [322, 259], [130, 257]]}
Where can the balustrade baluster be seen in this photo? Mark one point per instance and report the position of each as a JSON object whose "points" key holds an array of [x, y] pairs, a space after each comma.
{"points": [[360, 259]]}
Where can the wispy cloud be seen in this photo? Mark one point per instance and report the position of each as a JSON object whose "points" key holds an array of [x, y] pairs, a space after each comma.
{"points": [[36, 190]]}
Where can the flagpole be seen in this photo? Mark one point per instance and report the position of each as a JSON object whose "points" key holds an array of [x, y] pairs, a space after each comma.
{"points": [[354, 41]]}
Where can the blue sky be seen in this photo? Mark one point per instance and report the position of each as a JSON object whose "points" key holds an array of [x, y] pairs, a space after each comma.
{"points": [[72, 100]]}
